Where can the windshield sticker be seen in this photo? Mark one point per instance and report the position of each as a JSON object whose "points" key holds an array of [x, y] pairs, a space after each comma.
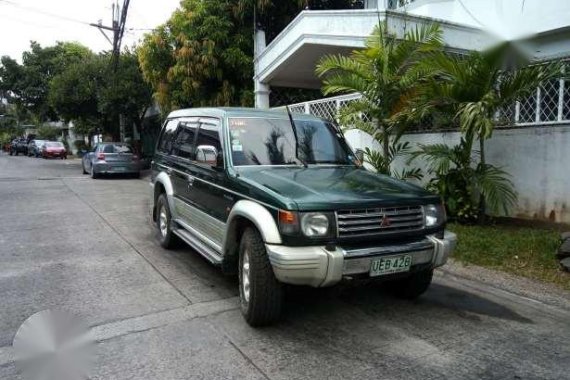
{"points": [[236, 146]]}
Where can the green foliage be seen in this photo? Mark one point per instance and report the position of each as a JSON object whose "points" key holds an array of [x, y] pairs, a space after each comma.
{"points": [[387, 72], [461, 182], [80, 145], [125, 92], [472, 90], [74, 92], [48, 133], [201, 57], [382, 164], [27, 85]]}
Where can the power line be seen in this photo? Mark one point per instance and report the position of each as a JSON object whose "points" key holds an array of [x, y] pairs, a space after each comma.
{"points": [[42, 12]]}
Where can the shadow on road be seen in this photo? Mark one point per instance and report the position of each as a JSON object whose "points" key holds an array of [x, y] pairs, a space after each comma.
{"points": [[375, 300]]}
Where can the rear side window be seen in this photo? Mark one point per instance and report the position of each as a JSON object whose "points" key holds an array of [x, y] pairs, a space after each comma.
{"points": [[184, 142], [167, 137]]}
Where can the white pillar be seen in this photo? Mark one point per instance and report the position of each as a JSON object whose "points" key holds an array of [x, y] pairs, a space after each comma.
{"points": [[261, 91]]}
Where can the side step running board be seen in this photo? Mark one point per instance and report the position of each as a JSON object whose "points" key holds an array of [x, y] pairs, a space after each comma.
{"points": [[202, 248]]}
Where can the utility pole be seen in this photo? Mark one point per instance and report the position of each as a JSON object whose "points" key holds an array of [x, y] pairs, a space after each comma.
{"points": [[119, 19]]}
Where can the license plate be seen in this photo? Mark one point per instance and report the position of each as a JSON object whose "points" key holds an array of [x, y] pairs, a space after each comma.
{"points": [[120, 168], [391, 264]]}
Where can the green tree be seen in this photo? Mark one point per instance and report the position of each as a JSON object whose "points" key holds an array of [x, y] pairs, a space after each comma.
{"points": [[473, 90], [387, 72], [48, 133], [203, 56], [124, 92], [27, 85], [74, 92]]}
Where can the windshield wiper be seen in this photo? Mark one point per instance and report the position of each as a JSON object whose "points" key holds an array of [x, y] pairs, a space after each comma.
{"points": [[296, 137]]}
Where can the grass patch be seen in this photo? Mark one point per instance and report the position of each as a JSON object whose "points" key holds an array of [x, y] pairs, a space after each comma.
{"points": [[522, 251]]}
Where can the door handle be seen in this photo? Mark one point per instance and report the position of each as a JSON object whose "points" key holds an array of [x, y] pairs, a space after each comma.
{"points": [[190, 181], [168, 171]]}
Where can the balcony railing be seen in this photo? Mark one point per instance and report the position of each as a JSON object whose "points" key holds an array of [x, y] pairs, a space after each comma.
{"points": [[549, 104]]}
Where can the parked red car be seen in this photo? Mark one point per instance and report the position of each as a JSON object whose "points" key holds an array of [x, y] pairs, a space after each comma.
{"points": [[53, 149]]}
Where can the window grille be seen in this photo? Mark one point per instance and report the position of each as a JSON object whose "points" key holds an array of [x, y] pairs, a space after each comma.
{"points": [[549, 97], [549, 104]]}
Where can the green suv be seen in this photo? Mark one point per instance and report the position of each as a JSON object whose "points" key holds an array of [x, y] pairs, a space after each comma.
{"points": [[282, 199]]}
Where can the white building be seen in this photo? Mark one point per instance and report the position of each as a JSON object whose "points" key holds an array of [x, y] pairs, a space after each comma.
{"points": [[535, 148]]}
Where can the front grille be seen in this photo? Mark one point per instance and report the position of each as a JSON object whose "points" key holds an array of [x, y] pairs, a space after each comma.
{"points": [[379, 221]]}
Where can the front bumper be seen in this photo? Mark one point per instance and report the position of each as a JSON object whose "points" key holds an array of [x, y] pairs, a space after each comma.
{"points": [[318, 267]]}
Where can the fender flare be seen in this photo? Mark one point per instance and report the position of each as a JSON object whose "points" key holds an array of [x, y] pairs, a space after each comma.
{"points": [[163, 179], [259, 216]]}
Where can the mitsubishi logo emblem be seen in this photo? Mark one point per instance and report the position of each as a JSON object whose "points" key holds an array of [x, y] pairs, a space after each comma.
{"points": [[385, 222]]}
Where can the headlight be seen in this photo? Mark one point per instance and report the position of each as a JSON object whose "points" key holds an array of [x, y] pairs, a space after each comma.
{"points": [[314, 224], [434, 215]]}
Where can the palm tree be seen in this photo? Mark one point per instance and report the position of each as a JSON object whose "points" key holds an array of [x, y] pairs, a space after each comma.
{"points": [[387, 73], [474, 90]]}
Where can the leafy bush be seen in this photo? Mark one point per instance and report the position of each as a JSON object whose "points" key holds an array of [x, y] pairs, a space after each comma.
{"points": [[80, 145], [461, 183], [48, 133], [384, 164]]}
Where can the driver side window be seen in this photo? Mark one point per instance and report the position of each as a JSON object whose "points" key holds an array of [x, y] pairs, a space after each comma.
{"points": [[208, 143]]}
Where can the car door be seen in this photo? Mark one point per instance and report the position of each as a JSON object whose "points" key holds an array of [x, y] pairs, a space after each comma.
{"points": [[181, 155], [206, 186]]}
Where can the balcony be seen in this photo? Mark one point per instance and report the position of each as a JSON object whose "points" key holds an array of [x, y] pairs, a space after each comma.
{"points": [[290, 59]]}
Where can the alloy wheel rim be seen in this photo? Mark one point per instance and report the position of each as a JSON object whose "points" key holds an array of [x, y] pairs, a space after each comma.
{"points": [[245, 272], [163, 222]]}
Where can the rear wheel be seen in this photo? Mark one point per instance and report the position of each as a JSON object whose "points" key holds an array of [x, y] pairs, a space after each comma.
{"points": [[94, 175], [260, 292], [414, 286], [164, 222]]}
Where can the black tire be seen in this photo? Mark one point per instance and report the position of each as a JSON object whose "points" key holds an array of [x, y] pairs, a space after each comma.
{"points": [[93, 174], [83, 167], [412, 287], [11, 153], [261, 305], [166, 237], [136, 175]]}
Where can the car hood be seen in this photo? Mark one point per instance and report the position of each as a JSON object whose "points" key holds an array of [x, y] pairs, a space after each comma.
{"points": [[334, 187]]}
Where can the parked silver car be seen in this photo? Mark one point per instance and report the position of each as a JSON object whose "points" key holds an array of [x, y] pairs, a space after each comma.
{"points": [[35, 148], [111, 158]]}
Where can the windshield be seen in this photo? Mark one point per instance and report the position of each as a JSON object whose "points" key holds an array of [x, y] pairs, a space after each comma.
{"points": [[54, 145], [260, 141]]}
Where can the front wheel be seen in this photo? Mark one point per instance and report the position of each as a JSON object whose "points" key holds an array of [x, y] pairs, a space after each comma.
{"points": [[260, 293], [414, 286]]}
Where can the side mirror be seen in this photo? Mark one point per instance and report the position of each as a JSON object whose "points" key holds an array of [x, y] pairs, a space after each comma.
{"points": [[359, 155], [208, 154]]}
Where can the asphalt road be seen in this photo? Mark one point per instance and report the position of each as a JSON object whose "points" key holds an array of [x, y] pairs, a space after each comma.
{"points": [[86, 246]]}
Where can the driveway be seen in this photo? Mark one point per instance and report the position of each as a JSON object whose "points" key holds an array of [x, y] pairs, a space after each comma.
{"points": [[83, 245]]}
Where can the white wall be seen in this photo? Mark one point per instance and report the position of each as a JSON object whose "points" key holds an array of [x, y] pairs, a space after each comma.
{"points": [[538, 159]]}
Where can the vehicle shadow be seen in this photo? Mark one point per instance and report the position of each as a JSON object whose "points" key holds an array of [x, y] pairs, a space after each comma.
{"points": [[374, 299]]}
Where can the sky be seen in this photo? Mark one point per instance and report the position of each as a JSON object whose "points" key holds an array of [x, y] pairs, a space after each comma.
{"points": [[49, 21]]}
